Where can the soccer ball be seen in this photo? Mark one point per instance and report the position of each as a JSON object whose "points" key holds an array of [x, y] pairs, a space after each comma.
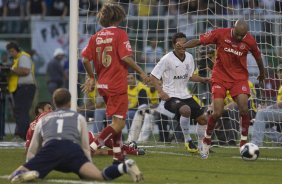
{"points": [[249, 151]]}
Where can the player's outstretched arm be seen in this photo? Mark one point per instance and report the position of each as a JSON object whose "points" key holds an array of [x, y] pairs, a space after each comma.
{"points": [[189, 44], [197, 78], [130, 62]]}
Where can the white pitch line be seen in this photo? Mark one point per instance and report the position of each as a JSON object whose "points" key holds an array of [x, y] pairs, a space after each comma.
{"points": [[67, 181], [235, 157], [74, 181], [171, 153], [262, 158]]}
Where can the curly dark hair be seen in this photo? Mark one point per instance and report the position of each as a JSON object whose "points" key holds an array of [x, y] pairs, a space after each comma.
{"points": [[111, 13], [13, 45], [176, 36]]}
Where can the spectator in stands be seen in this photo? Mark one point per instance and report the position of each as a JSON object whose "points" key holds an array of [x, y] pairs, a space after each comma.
{"points": [[227, 127], [22, 86], [59, 8], [37, 59], [89, 7], [14, 8], [268, 118], [151, 55], [48, 7], [144, 119], [137, 97], [145, 7], [36, 8], [55, 71], [70, 145]]}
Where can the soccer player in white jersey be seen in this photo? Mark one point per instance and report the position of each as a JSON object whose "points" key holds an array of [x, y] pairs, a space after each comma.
{"points": [[175, 69], [60, 142]]}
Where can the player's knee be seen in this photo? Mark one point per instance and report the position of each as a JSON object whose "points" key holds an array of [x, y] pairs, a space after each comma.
{"points": [[185, 111], [202, 120], [216, 114], [243, 112]]}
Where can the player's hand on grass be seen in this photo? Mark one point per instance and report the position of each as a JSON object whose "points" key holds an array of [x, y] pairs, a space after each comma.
{"points": [[88, 86]]}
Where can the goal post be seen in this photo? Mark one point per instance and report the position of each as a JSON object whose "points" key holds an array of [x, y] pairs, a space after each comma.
{"points": [[73, 49], [163, 19]]}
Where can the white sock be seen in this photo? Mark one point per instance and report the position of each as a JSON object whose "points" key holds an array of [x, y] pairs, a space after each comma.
{"points": [[200, 129], [185, 126]]}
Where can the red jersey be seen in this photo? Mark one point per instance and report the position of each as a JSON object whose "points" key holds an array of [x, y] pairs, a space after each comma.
{"points": [[106, 49], [231, 60], [31, 129]]}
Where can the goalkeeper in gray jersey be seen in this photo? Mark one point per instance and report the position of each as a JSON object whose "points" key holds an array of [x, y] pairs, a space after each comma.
{"points": [[60, 142]]}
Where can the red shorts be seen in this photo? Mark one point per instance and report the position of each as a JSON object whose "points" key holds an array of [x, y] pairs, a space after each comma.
{"points": [[235, 88], [116, 105]]}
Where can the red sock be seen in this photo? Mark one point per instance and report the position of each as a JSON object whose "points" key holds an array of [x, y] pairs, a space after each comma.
{"points": [[109, 143], [110, 152], [245, 123], [106, 135], [211, 125], [117, 147]]}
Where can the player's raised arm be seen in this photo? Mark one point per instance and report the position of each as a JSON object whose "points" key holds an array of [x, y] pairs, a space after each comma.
{"points": [[189, 44], [130, 62]]}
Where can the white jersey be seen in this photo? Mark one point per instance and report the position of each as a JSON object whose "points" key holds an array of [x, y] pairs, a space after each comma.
{"points": [[175, 74]]}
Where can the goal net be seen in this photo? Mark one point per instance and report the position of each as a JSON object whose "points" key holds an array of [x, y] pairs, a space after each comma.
{"points": [[150, 25]]}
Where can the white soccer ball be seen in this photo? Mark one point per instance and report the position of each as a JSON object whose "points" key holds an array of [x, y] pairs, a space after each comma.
{"points": [[249, 151]]}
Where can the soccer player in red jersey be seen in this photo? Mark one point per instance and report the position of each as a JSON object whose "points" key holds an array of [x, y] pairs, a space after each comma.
{"points": [[41, 109], [111, 53], [229, 73]]}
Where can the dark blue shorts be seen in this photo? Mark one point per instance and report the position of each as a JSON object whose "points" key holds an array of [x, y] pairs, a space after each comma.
{"points": [[59, 155]]}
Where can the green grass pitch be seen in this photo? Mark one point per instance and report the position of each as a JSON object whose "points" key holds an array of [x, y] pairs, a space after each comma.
{"points": [[172, 165]]}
